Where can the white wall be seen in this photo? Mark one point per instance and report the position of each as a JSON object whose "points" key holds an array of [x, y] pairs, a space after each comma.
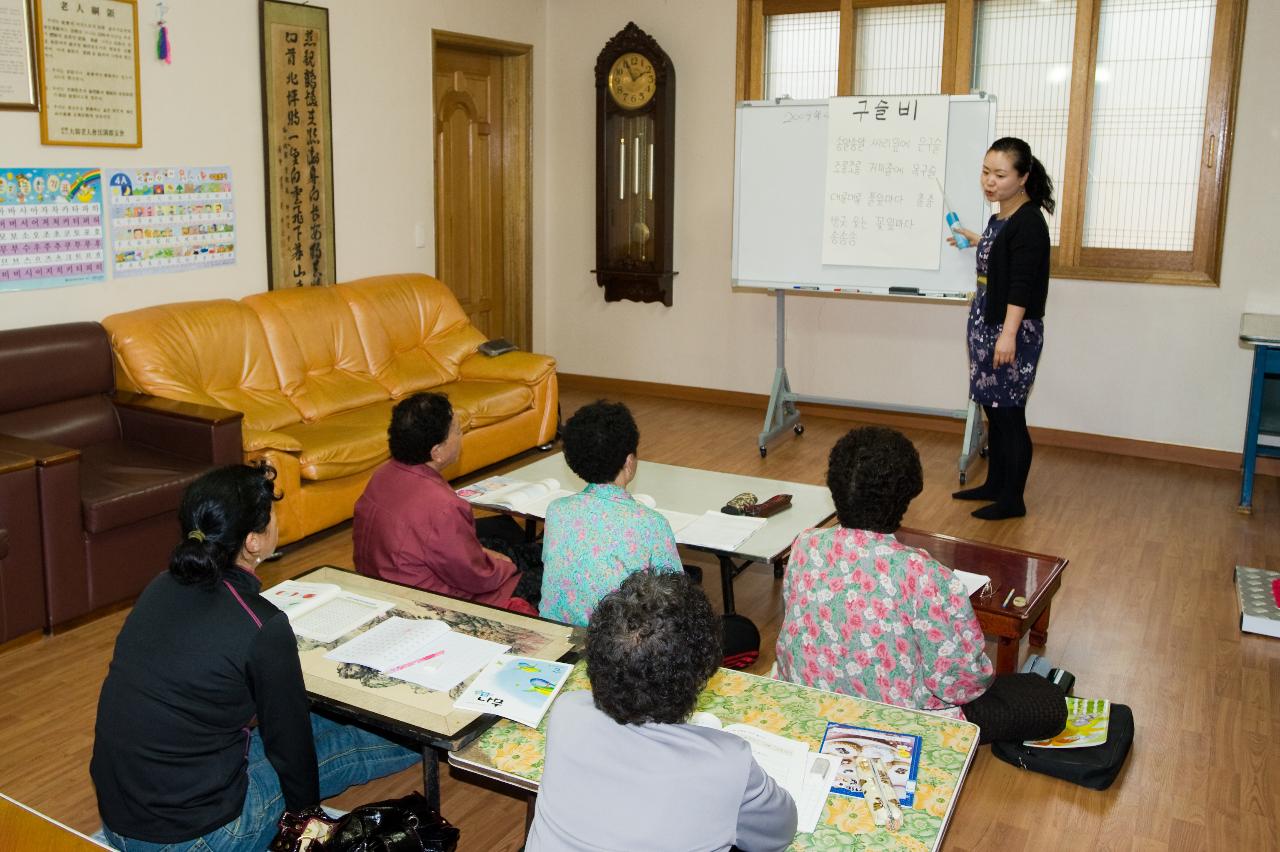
{"points": [[1151, 362], [1157, 363], [206, 109]]}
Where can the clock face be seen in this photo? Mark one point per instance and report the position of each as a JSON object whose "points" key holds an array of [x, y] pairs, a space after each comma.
{"points": [[632, 82]]}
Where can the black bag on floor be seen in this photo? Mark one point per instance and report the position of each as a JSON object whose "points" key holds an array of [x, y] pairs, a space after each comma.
{"points": [[741, 641], [407, 824], [1094, 767]]}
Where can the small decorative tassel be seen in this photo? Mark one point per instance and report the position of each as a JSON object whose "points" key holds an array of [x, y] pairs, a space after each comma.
{"points": [[163, 50], [162, 45]]}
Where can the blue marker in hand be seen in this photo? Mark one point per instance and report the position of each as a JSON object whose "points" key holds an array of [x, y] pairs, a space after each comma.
{"points": [[953, 221]]}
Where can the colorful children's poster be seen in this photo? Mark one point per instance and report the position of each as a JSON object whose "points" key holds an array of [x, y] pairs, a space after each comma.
{"points": [[51, 227], [171, 219]]}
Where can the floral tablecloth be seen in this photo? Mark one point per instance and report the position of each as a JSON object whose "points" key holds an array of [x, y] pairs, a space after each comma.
{"points": [[800, 713]]}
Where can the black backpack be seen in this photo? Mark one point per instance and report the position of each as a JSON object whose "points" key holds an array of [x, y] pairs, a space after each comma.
{"points": [[1095, 767], [741, 641]]}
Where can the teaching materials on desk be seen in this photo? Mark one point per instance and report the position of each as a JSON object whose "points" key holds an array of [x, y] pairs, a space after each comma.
{"points": [[1087, 722], [51, 227], [806, 775], [323, 612], [678, 520], [518, 688], [972, 582], [171, 219], [476, 491], [1258, 593], [899, 752], [718, 531], [782, 168], [421, 651], [528, 498]]}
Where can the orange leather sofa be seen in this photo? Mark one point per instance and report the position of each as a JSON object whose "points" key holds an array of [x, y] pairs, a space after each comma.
{"points": [[317, 370]]}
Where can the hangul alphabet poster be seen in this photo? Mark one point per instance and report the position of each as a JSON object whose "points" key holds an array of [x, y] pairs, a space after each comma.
{"points": [[171, 219], [51, 227]]}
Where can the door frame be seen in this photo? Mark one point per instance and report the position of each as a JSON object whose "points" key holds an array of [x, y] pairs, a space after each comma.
{"points": [[517, 172]]}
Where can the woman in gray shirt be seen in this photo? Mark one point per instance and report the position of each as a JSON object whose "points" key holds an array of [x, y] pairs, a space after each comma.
{"points": [[624, 770]]}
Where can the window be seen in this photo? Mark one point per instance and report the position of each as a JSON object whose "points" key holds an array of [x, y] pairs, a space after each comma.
{"points": [[1129, 104]]}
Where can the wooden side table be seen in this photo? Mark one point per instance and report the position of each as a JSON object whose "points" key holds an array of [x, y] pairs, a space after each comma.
{"points": [[1034, 576]]}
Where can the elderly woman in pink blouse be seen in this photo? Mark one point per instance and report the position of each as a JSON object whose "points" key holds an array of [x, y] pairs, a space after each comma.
{"points": [[869, 616]]}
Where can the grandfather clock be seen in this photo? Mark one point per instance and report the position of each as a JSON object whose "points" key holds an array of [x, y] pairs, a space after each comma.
{"points": [[635, 168]]}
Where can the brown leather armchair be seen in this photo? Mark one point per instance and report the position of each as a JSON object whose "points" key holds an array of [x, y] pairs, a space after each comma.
{"points": [[21, 579], [110, 467]]}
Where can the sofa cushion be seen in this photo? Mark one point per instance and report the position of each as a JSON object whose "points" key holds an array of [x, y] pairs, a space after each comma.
{"points": [[484, 403], [317, 350], [51, 363], [413, 329], [211, 353], [4, 543], [122, 483], [342, 444]]}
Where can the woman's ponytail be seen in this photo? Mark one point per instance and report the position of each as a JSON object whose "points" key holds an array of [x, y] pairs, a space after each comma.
{"points": [[217, 513], [1040, 186]]}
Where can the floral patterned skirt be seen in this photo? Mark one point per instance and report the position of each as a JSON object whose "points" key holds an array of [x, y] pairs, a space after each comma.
{"points": [[1009, 386]]}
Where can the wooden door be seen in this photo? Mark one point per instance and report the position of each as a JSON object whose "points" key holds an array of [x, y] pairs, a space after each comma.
{"points": [[469, 250]]}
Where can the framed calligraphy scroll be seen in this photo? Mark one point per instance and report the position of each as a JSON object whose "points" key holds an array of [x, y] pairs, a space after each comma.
{"points": [[89, 73], [17, 56], [298, 133]]}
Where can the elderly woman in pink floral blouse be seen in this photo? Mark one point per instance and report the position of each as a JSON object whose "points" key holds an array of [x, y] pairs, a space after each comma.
{"points": [[868, 616]]}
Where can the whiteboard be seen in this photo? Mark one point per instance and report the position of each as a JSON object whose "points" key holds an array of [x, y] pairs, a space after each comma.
{"points": [[779, 184]]}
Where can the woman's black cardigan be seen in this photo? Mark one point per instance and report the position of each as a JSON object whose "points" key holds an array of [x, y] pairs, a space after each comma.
{"points": [[1018, 268]]}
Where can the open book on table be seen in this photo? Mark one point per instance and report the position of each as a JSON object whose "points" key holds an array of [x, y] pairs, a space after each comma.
{"points": [[527, 498], [421, 651], [323, 612], [517, 688], [806, 775]]}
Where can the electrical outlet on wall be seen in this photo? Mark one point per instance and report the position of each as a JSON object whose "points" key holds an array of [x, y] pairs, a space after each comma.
{"points": [[420, 235]]}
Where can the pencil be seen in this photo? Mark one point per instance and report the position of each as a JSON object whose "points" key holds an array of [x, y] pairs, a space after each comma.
{"points": [[1007, 598]]}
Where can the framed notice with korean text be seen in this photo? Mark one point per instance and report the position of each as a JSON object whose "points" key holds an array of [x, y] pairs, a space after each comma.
{"points": [[297, 125], [17, 56], [89, 87]]}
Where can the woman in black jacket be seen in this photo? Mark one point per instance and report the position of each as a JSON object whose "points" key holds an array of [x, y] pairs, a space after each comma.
{"points": [[1006, 319], [204, 736]]}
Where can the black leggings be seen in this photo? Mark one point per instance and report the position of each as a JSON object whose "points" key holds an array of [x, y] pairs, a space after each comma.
{"points": [[1009, 454], [1018, 707]]}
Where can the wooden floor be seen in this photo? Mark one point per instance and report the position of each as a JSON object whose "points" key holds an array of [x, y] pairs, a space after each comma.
{"points": [[1146, 616]]}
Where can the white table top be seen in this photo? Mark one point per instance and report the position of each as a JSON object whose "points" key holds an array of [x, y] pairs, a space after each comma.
{"points": [[685, 489], [1261, 329]]}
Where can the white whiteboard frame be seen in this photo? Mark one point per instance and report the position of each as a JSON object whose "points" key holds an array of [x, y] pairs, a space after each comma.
{"points": [[796, 225]]}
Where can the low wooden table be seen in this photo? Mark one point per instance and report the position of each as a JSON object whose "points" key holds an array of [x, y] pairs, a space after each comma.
{"points": [[1033, 576], [513, 754], [22, 828]]}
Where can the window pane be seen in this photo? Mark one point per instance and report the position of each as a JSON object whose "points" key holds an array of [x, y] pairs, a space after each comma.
{"points": [[1022, 55], [801, 55], [1149, 94], [898, 50]]}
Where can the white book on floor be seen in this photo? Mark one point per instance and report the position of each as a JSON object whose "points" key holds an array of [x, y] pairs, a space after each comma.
{"points": [[323, 612], [718, 531], [806, 775]]}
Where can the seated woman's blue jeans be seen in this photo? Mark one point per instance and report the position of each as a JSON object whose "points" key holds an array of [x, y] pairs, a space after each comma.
{"points": [[347, 755]]}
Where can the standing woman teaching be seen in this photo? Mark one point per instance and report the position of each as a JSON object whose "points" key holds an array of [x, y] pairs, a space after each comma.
{"points": [[1006, 319]]}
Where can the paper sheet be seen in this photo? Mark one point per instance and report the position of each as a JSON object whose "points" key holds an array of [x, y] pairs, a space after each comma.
{"points": [[391, 643], [972, 582], [335, 618], [460, 656], [718, 531]]}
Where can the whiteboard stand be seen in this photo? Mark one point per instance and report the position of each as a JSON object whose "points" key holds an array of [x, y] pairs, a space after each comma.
{"points": [[782, 413], [975, 439]]}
